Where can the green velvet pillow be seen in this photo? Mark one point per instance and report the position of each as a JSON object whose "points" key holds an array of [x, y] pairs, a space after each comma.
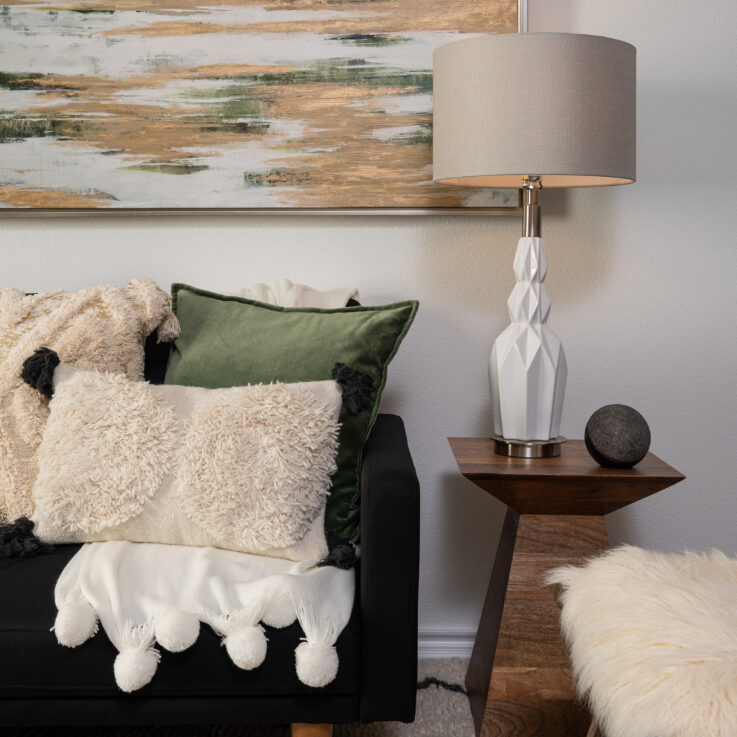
{"points": [[231, 341]]}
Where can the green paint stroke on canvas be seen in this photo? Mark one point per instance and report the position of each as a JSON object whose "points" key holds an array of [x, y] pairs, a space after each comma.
{"points": [[233, 101], [18, 81], [179, 168], [89, 11], [422, 134], [352, 72], [16, 129], [369, 39], [246, 127], [275, 178]]}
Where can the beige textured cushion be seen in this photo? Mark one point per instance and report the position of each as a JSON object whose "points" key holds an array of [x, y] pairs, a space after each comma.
{"points": [[101, 327], [243, 468]]}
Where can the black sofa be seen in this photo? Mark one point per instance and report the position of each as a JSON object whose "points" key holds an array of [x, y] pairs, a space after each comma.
{"points": [[42, 683]]}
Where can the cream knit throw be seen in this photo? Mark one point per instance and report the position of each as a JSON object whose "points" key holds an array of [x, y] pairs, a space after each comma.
{"points": [[145, 594], [101, 327], [287, 294]]}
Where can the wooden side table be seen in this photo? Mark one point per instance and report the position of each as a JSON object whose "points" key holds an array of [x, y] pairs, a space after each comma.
{"points": [[519, 679]]}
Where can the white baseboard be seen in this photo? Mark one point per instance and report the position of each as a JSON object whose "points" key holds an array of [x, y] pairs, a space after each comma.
{"points": [[445, 644]]}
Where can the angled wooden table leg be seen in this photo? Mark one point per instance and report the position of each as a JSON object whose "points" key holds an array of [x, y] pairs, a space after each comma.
{"points": [[478, 675], [531, 689], [519, 679]]}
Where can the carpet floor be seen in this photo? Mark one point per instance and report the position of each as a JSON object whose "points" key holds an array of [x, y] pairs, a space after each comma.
{"points": [[442, 711]]}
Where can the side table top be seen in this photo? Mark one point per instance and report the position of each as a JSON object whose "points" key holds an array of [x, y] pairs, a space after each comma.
{"points": [[573, 483]]}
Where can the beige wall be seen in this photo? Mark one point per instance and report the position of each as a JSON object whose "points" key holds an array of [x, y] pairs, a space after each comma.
{"points": [[642, 280]]}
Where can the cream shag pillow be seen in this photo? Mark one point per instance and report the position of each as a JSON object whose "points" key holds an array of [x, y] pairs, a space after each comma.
{"points": [[101, 327], [242, 468]]}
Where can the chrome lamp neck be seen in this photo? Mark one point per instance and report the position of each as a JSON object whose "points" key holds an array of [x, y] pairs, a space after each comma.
{"points": [[531, 211]]}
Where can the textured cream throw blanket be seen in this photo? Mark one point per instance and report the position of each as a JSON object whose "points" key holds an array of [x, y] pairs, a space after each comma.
{"points": [[101, 328], [144, 594]]}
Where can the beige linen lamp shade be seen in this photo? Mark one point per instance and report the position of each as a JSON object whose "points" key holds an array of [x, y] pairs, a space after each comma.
{"points": [[560, 106]]}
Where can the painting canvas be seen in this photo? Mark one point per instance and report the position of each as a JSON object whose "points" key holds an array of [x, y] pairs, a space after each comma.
{"points": [[265, 104]]}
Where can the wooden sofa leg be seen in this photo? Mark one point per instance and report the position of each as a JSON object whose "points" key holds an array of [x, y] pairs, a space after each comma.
{"points": [[311, 730]]}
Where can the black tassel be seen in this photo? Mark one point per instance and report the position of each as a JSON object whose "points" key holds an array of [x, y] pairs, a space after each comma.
{"points": [[38, 370], [18, 541], [342, 553], [358, 388]]}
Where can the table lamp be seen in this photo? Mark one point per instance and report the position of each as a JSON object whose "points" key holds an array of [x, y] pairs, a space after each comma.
{"points": [[527, 111]]}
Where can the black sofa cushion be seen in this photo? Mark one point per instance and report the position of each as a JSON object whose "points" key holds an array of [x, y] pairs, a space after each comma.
{"points": [[35, 666]]}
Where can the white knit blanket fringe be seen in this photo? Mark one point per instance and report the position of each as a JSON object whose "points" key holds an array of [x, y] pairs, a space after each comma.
{"points": [[146, 594]]}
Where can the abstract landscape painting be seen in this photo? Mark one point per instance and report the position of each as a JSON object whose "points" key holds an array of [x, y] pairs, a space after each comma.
{"points": [[265, 104]]}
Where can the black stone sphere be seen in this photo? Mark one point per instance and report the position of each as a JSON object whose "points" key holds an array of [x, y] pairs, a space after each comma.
{"points": [[617, 436]]}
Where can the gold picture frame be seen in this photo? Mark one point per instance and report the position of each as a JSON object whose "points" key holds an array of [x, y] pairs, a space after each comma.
{"points": [[133, 107]]}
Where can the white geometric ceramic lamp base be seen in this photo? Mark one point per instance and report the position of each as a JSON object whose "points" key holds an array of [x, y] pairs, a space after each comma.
{"points": [[527, 368]]}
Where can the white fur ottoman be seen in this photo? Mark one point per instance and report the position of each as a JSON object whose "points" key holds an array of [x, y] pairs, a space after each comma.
{"points": [[653, 640]]}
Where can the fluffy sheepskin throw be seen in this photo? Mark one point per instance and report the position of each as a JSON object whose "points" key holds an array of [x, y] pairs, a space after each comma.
{"points": [[653, 640], [101, 327], [139, 595], [243, 468]]}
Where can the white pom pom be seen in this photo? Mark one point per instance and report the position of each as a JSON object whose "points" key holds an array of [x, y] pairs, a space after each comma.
{"points": [[75, 623], [135, 668], [247, 648], [317, 665], [280, 612], [176, 631]]}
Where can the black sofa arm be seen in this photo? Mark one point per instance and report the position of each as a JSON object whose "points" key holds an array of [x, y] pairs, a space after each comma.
{"points": [[390, 541]]}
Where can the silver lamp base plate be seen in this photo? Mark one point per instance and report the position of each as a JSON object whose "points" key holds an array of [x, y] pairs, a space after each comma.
{"points": [[528, 448]]}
